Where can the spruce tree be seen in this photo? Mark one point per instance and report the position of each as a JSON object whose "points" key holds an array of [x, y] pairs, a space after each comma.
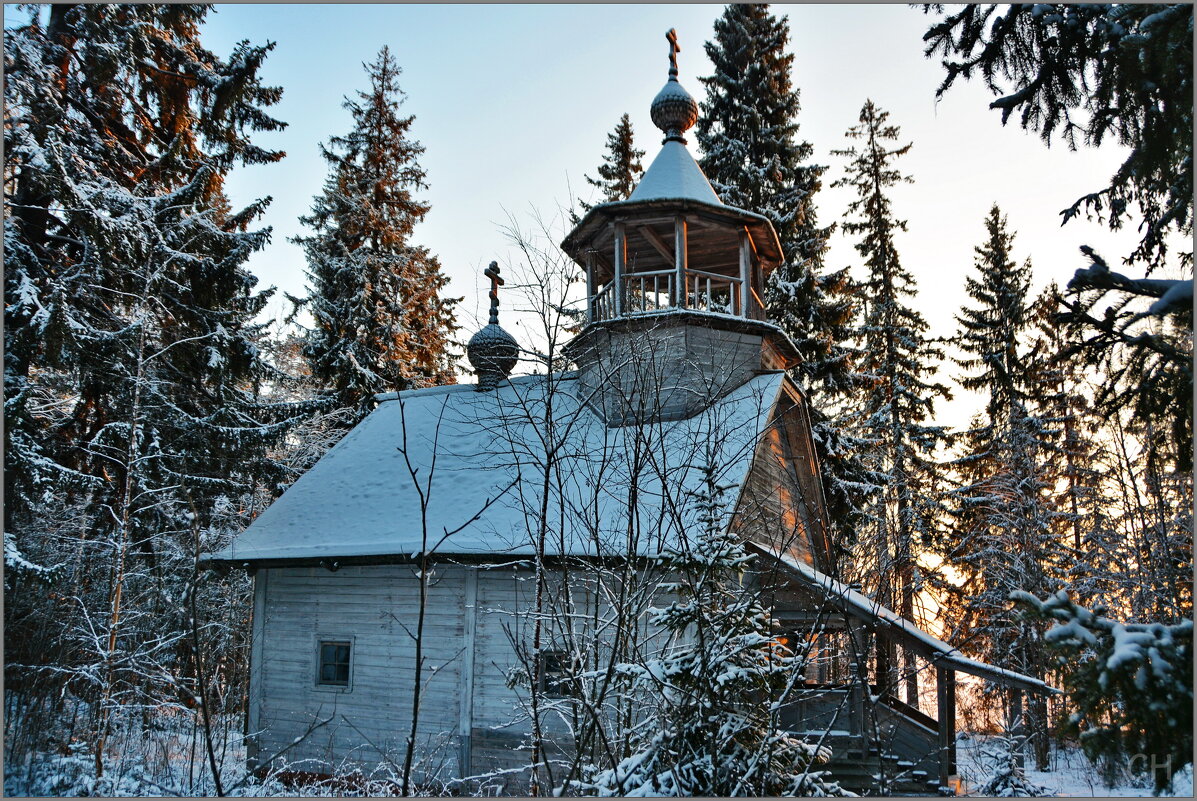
{"points": [[621, 168], [120, 239], [1144, 350], [751, 152], [1092, 72], [1003, 520], [131, 383], [1089, 73], [77, 99], [1089, 546], [897, 352], [1118, 535], [1131, 683], [380, 320]]}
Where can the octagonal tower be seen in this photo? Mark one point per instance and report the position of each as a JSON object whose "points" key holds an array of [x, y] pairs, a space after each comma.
{"points": [[674, 282]]}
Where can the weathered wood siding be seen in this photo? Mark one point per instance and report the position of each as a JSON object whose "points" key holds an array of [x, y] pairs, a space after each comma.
{"points": [[664, 368], [573, 606], [475, 706], [499, 727], [781, 505], [376, 609]]}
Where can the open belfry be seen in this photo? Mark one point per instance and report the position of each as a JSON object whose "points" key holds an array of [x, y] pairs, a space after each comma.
{"points": [[675, 280]]}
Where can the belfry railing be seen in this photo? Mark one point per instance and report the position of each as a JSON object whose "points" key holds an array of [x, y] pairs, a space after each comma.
{"points": [[656, 290], [602, 305], [714, 293]]}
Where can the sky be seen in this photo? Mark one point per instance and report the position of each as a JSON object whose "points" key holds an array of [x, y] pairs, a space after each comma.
{"points": [[513, 104]]}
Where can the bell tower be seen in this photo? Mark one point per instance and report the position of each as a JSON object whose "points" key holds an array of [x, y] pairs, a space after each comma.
{"points": [[674, 281]]}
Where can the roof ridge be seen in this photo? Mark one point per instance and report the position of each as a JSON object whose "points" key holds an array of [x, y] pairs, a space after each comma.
{"points": [[381, 397]]}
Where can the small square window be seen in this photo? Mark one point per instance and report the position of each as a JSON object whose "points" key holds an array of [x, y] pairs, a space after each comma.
{"points": [[332, 669], [555, 675]]}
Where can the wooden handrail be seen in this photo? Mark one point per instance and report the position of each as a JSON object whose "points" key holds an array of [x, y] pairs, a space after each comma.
{"points": [[886, 699], [650, 273], [905, 709], [729, 278]]}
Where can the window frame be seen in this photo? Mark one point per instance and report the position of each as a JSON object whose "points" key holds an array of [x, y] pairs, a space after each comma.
{"points": [[318, 643], [560, 685]]}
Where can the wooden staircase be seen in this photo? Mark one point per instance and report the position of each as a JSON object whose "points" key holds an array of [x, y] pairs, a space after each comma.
{"points": [[881, 747], [880, 772]]}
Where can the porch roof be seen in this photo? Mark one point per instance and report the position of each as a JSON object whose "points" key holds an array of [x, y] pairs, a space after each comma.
{"points": [[905, 631]]}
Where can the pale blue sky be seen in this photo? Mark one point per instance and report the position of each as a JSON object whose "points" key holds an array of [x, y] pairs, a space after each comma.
{"points": [[513, 104]]}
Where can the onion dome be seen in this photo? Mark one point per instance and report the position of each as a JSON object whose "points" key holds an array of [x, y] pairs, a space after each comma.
{"points": [[673, 110], [492, 351]]}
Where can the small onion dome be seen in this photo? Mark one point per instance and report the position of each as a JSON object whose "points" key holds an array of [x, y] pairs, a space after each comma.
{"points": [[673, 110], [492, 351]]}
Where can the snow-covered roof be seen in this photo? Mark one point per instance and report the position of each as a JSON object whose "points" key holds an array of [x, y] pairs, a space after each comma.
{"points": [[467, 448], [675, 175], [942, 654], [675, 183]]}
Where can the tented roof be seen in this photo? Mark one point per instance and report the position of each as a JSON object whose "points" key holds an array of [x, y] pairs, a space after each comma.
{"points": [[673, 184], [466, 448], [674, 175]]}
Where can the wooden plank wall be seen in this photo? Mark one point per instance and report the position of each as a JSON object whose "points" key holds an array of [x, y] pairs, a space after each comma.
{"points": [[669, 372], [476, 617], [776, 507], [500, 736], [498, 728], [375, 608]]}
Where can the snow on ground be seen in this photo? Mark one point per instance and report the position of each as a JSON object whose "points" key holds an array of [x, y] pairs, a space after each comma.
{"points": [[1071, 774], [169, 760]]}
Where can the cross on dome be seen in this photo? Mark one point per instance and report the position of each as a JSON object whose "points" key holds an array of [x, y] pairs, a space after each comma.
{"points": [[674, 49], [673, 110], [492, 351], [492, 272]]}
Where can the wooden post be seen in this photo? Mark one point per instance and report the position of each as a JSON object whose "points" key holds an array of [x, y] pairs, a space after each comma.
{"points": [[862, 713], [856, 711], [951, 699], [945, 696], [681, 257], [621, 252], [590, 287], [745, 273], [1019, 729], [465, 711], [253, 718]]}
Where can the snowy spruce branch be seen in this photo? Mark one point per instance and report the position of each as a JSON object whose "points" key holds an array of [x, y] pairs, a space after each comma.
{"points": [[1172, 295], [1130, 683]]}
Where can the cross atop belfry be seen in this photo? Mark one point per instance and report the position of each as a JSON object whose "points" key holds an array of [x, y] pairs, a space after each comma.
{"points": [[674, 49]]}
